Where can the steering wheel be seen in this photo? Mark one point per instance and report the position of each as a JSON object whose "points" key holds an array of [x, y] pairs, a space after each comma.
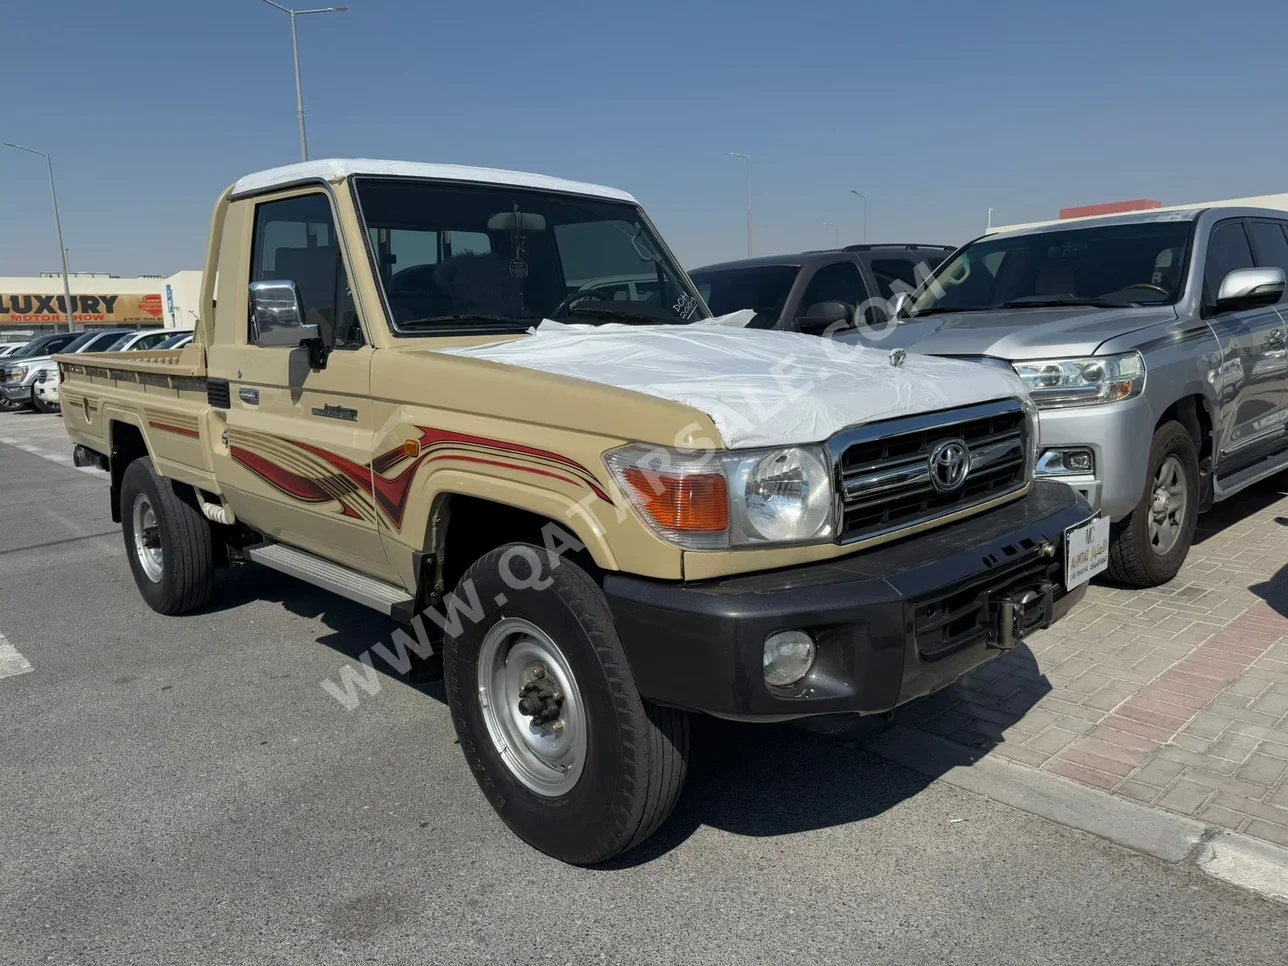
{"points": [[573, 299], [1150, 285]]}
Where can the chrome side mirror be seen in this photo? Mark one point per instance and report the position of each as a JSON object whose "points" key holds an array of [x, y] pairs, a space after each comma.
{"points": [[276, 317], [1249, 287]]}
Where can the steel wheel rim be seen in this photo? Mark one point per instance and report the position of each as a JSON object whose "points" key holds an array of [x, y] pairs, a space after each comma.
{"points": [[547, 758], [147, 538], [1169, 497]]}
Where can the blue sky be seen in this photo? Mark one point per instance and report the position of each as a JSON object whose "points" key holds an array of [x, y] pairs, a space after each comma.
{"points": [[935, 111]]}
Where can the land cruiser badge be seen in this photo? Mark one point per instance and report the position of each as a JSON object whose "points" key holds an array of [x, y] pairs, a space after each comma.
{"points": [[897, 357], [336, 412]]}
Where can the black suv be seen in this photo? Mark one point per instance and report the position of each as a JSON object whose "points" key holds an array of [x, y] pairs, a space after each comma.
{"points": [[811, 291]]}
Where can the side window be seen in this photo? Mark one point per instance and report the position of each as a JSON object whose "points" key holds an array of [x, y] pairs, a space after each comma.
{"points": [[1227, 251], [838, 282], [1268, 244], [295, 241]]}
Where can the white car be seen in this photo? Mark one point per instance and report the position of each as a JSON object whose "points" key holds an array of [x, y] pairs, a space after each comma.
{"points": [[10, 347], [627, 288], [176, 341], [44, 391], [138, 341]]}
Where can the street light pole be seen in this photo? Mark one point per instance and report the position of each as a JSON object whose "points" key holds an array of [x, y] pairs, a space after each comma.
{"points": [[865, 214], [990, 220], [295, 50], [58, 225], [835, 230], [747, 158]]}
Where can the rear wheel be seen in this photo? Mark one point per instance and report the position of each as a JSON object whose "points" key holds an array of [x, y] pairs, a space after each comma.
{"points": [[168, 541], [1149, 546], [574, 761]]}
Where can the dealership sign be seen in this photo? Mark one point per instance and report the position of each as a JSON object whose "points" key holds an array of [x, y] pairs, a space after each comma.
{"points": [[26, 309]]}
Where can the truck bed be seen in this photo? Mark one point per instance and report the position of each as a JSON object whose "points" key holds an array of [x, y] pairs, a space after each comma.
{"points": [[157, 400]]}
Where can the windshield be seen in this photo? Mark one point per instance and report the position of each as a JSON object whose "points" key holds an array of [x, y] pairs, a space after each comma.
{"points": [[763, 288], [1115, 265], [106, 340], [174, 341], [465, 258], [78, 343]]}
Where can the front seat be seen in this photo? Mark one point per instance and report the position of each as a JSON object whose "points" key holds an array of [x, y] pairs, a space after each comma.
{"points": [[1054, 280]]}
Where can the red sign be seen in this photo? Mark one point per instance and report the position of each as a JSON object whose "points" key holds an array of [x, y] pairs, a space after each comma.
{"points": [[151, 304], [1110, 208]]}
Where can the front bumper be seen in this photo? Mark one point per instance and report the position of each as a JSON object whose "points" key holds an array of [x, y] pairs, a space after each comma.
{"points": [[890, 624], [1118, 436], [16, 393]]}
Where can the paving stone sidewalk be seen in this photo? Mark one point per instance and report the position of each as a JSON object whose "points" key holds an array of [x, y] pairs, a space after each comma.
{"points": [[1175, 696]]}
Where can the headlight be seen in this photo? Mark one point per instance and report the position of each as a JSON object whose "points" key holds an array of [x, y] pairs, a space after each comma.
{"points": [[713, 501], [1059, 383], [16, 373]]}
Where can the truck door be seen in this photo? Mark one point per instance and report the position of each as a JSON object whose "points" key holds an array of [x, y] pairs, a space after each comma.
{"points": [[299, 439], [1253, 348]]}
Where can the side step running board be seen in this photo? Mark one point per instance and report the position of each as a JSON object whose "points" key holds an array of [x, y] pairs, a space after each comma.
{"points": [[1240, 479], [338, 579]]}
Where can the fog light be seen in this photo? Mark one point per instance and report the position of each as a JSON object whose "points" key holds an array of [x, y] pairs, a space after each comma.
{"points": [[788, 657], [1066, 462]]}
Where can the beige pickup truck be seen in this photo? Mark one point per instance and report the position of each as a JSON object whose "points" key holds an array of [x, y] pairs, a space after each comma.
{"points": [[601, 509]]}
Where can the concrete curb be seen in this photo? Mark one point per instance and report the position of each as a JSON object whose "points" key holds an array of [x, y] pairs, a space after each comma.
{"points": [[1238, 859]]}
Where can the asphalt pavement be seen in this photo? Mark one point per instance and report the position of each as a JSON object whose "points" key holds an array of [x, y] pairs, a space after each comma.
{"points": [[183, 790]]}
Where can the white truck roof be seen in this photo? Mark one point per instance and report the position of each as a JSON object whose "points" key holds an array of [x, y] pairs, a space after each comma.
{"points": [[336, 169]]}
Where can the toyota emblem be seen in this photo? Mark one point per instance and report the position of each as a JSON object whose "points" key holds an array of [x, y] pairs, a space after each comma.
{"points": [[948, 464]]}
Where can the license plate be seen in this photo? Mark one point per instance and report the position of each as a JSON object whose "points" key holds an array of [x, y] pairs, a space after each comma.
{"points": [[1086, 551]]}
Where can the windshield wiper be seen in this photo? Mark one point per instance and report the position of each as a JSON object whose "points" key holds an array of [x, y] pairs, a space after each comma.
{"points": [[943, 310], [1029, 301], [472, 317], [634, 318]]}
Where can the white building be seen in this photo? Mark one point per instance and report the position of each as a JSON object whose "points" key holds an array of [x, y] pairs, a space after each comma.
{"points": [[34, 306], [1278, 202]]}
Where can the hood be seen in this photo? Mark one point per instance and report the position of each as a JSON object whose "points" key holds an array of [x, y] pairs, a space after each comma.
{"points": [[1014, 334], [31, 362], [760, 388]]}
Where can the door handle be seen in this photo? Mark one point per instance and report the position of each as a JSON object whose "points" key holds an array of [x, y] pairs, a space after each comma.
{"points": [[249, 396]]}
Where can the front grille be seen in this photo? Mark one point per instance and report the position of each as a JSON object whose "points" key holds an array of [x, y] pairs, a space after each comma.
{"points": [[886, 474]]}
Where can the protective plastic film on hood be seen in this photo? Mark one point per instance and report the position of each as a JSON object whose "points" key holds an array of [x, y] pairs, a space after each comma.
{"points": [[760, 388]]}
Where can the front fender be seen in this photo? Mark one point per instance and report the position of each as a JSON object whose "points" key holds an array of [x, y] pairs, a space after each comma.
{"points": [[547, 503]]}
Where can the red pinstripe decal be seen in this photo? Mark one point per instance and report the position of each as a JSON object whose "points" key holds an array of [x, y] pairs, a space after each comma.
{"points": [[391, 493], [292, 484], [175, 429]]}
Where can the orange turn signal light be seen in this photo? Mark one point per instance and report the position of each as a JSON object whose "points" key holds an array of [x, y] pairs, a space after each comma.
{"points": [[411, 448], [682, 502]]}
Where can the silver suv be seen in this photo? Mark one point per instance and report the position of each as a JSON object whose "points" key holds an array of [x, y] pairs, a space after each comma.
{"points": [[1154, 346]]}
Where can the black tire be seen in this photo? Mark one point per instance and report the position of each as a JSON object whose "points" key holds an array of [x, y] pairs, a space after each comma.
{"points": [[187, 568], [41, 406], [11, 406], [636, 752], [1132, 558]]}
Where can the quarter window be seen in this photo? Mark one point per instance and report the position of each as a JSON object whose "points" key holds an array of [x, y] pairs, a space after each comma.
{"points": [[295, 241], [1227, 251], [1268, 244]]}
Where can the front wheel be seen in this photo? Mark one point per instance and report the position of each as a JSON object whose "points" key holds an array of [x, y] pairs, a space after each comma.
{"points": [[574, 761], [41, 406], [1148, 547]]}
